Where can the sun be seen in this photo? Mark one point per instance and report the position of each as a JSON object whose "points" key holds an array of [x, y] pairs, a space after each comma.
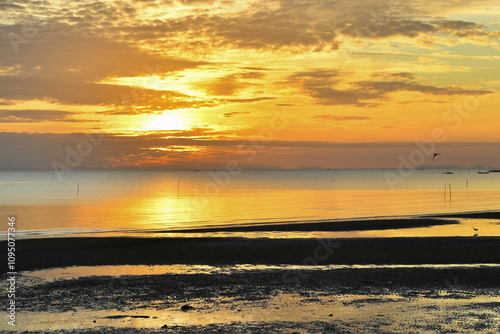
{"points": [[169, 120]]}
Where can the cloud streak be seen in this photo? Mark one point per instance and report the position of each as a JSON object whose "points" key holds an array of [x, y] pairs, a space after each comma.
{"points": [[189, 149], [321, 85], [36, 116], [340, 118]]}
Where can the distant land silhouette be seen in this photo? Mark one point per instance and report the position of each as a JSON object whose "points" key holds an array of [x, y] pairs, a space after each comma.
{"points": [[4, 167], [478, 166]]}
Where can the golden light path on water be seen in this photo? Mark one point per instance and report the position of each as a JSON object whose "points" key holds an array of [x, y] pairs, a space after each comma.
{"points": [[140, 203]]}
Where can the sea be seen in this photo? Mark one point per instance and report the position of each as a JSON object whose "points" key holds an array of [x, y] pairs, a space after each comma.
{"points": [[159, 203]]}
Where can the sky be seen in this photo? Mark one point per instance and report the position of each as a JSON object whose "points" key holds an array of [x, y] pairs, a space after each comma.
{"points": [[204, 84]]}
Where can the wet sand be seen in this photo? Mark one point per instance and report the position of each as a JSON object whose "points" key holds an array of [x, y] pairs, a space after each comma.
{"points": [[61, 252]]}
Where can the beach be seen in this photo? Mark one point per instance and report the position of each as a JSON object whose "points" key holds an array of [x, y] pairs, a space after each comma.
{"points": [[252, 166], [344, 299], [262, 285]]}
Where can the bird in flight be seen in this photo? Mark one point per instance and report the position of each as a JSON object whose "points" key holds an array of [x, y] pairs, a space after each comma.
{"points": [[435, 155]]}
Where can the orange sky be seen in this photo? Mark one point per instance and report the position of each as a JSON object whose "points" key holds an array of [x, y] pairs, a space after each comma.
{"points": [[270, 84]]}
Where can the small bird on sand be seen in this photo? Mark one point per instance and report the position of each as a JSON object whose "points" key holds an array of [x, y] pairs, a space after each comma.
{"points": [[435, 155], [475, 229]]}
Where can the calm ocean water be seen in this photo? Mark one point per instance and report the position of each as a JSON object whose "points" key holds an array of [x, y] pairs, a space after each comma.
{"points": [[121, 202]]}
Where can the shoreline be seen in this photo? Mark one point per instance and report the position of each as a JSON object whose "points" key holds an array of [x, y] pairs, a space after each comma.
{"points": [[340, 225], [61, 251]]}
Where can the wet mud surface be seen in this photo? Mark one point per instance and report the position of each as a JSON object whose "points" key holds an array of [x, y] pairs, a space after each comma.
{"points": [[343, 300]]}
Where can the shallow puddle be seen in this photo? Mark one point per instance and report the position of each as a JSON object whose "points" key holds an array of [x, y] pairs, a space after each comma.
{"points": [[75, 272]]}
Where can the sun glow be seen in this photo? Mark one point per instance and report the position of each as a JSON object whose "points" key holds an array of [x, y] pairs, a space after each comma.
{"points": [[166, 121]]}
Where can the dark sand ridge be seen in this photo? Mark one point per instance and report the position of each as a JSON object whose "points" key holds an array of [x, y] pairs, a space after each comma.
{"points": [[61, 252], [341, 225], [472, 215]]}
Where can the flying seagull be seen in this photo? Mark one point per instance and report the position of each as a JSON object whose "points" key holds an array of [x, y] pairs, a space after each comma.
{"points": [[435, 154]]}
